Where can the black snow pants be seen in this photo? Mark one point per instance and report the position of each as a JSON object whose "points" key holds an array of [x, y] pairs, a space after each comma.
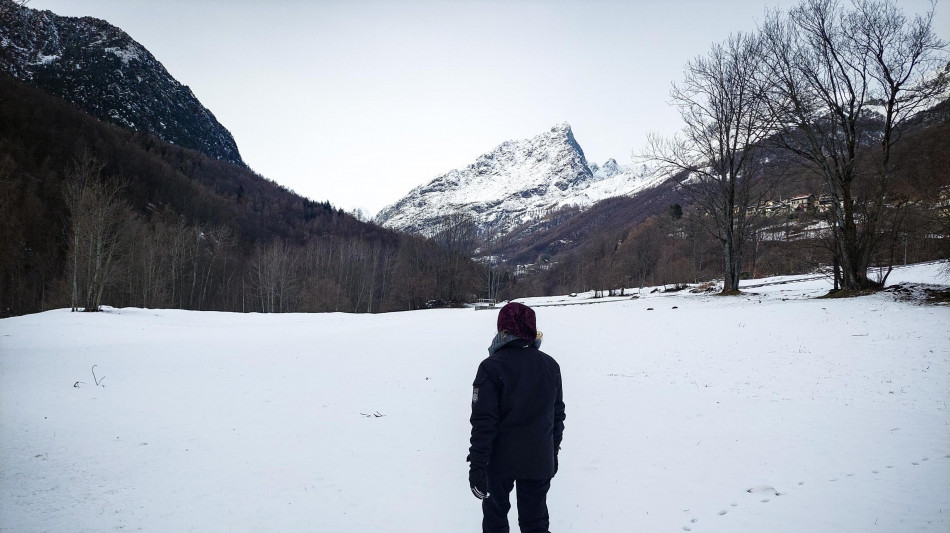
{"points": [[532, 505]]}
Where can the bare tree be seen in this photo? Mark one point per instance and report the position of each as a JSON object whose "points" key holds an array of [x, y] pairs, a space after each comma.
{"points": [[457, 235], [274, 274], [177, 240], [488, 241], [355, 261], [154, 285], [85, 169], [723, 103], [100, 233], [645, 251], [846, 81], [218, 239]]}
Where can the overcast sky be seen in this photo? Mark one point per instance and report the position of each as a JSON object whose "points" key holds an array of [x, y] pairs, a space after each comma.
{"points": [[357, 102]]}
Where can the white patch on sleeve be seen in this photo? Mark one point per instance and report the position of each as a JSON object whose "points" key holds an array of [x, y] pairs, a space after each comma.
{"points": [[474, 394]]}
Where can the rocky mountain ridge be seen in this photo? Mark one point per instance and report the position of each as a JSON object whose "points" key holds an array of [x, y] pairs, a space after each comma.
{"points": [[515, 183], [104, 72]]}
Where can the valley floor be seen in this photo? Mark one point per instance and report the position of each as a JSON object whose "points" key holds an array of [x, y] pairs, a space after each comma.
{"points": [[771, 411]]}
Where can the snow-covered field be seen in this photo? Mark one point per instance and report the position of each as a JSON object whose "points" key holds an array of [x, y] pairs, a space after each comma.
{"points": [[768, 412]]}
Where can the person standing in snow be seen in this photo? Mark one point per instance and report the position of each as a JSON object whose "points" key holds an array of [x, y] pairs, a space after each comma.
{"points": [[517, 424]]}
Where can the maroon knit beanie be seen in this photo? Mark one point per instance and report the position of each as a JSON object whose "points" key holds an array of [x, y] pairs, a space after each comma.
{"points": [[518, 320]]}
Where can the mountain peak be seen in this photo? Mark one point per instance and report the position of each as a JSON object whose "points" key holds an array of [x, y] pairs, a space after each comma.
{"points": [[610, 168], [103, 71], [562, 127], [518, 182], [513, 183]]}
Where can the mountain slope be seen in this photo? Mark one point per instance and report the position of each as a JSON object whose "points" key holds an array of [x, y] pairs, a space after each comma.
{"points": [[99, 68], [570, 230], [199, 233], [514, 184]]}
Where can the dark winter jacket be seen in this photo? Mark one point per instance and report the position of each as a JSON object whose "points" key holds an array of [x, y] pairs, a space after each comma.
{"points": [[517, 412]]}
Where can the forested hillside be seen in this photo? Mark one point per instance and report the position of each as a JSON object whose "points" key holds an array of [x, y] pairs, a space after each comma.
{"points": [[92, 214]]}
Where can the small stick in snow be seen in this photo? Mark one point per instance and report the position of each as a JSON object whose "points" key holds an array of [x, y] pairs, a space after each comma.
{"points": [[98, 381]]}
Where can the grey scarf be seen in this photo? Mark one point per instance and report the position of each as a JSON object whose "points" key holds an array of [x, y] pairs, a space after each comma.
{"points": [[503, 337]]}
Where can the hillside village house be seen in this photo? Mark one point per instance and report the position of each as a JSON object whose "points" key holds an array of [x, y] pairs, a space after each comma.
{"points": [[795, 204], [801, 202], [943, 201]]}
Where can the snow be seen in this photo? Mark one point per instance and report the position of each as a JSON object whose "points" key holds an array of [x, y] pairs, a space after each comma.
{"points": [[517, 182], [771, 411], [126, 54], [43, 59], [506, 186]]}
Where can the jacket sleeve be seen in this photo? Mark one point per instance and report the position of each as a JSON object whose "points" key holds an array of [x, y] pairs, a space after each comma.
{"points": [[559, 415], [485, 416]]}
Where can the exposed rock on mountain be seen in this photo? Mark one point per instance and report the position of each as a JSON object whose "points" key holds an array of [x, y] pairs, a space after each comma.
{"points": [[515, 183], [104, 72]]}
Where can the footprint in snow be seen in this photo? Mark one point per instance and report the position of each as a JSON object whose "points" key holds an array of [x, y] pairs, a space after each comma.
{"points": [[692, 521], [764, 490]]}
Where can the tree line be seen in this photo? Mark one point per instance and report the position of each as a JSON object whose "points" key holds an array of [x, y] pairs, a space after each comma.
{"points": [[92, 215], [118, 257]]}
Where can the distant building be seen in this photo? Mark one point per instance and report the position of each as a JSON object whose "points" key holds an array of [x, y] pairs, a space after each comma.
{"points": [[943, 201], [803, 202]]}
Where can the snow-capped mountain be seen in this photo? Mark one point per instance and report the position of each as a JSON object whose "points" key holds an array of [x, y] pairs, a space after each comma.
{"points": [[104, 72], [515, 183], [612, 179]]}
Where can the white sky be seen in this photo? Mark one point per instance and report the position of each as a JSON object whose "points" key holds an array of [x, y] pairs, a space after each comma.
{"points": [[357, 102]]}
